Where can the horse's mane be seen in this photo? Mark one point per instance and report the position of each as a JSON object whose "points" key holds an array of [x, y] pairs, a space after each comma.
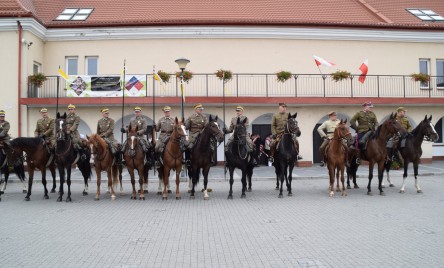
{"points": [[376, 133], [415, 131], [26, 142], [99, 139]]}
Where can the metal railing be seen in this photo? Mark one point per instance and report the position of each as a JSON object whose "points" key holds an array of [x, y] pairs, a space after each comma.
{"points": [[266, 85]]}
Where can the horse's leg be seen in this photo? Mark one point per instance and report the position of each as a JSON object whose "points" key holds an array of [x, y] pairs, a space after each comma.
{"points": [[119, 170], [19, 169], [53, 174], [43, 171], [133, 183], [110, 183], [249, 176], [205, 172], [370, 176], [166, 176], [196, 174], [381, 175], [355, 170], [276, 171], [145, 179], [415, 172], [178, 170], [290, 178], [99, 181], [344, 189], [3, 189], [337, 179], [331, 174], [68, 181], [31, 178], [230, 193], [62, 181], [141, 172], [244, 182], [282, 171]]}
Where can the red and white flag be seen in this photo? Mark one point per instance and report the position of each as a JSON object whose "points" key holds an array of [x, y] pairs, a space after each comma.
{"points": [[321, 61], [364, 70]]}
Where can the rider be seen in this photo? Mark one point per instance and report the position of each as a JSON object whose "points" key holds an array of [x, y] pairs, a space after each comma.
{"points": [[195, 124], [241, 117], [4, 128], [393, 143], [329, 126], [105, 129], [278, 123], [45, 129], [72, 124], [140, 122], [367, 122], [165, 125]]}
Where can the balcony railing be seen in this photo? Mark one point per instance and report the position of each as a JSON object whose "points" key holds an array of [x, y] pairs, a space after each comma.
{"points": [[266, 85]]}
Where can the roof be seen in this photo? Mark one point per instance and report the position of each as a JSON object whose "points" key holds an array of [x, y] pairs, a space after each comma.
{"points": [[345, 13]]}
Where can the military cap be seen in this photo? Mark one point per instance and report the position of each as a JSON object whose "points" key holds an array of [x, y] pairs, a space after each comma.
{"points": [[401, 109], [239, 108], [368, 103], [283, 104], [137, 109], [71, 106], [166, 109], [2, 113], [331, 113], [43, 110], [198, 106], [104, 110]]}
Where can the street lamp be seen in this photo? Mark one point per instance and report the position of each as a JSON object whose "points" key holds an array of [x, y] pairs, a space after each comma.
{"points": [[182, 62]]}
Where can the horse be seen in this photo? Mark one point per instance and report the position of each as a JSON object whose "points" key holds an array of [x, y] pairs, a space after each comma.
{"points": [[286, 154], [37, 157], [66, 156], [135, 160], [19, 170], [201, 154], [412, 151], [237, 156], [376, 152], [104, 161], [172, 158], [335, 156]]}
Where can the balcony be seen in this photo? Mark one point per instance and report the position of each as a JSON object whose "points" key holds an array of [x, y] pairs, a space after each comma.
{"points": [[263, 86]]}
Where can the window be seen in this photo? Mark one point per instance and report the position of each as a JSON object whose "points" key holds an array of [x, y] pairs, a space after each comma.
{"points": [[91, 65], [424, 68], [75, 14], [440, 73], [72, 66], [36, 67], [425, 14]]}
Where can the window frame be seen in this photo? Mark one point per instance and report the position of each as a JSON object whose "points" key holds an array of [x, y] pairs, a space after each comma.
{"points": [[425, 85], [68, 70], [87, 58]]}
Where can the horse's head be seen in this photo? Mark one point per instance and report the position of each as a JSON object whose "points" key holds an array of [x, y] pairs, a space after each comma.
{"points": [[215, 129], [343, 132], [60, 123], [179, 129], [427, 129], [240, 131], [132, 139], [393, 127], [292, 125]]}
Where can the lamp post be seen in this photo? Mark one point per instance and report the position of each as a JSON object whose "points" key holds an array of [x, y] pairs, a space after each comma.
{"points": [[182, 62]]}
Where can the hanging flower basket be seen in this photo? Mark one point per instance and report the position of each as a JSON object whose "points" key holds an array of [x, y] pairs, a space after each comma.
{"points": [[283, 76], [164, 76], [37, 79], [421, 77], [340, 75], [187, 75], [225, 75]]}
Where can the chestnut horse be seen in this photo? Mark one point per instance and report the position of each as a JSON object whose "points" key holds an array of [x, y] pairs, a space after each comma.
{"points": [[336, 157], [104, 161], [376, 152], [172, 158], [134, 159], [412, 150]]}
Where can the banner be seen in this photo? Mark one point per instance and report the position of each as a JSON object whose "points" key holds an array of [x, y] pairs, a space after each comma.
{"points": [[105, 86]]}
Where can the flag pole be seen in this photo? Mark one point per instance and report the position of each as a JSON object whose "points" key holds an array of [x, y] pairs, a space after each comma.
{"points": [[123, 96], [154, 133], [223, 105], [58, 84]]}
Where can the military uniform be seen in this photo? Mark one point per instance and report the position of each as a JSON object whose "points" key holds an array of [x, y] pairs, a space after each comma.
{"points": [[404, 122], [367, 122], [195, 123], [105, 129], [141, 124], [4, 129], [278, 123], [329, 126], [72, 123], [233, 124], [165, 125], [45, 127]]}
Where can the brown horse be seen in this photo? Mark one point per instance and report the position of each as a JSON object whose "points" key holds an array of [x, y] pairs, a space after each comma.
{"points": [[336, 156], [172, 158], [134, 159], [376, 152], [104, 161], [37, 157]]}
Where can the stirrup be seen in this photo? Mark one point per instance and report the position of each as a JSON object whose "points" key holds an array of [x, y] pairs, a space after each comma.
{"points": [[322, 164], [271, 159], [300, 157], [358, 161]]}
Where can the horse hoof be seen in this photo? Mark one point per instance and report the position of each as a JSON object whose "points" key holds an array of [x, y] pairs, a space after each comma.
{"points": [[243, 196], [401, 191], [290, 194], [230, 197], [164, 198], [348, 187], [169, 191], [141, 198], [1, 192], [159, 193], [382, 193], [392, 185], [280, 196], [356, 187], [419, 191], [113, 197], [337, 190], [24, 191], [277, 188], [84, 193], [369, 193], [178, 197], [331, 195], [249, 190], [68, 199], [59, 199], [206, 198], [97, 198], [145, 191], [29, 199], [46, 197], [192, 197]]}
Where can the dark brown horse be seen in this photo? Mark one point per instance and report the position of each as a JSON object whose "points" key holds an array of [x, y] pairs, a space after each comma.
{"points": [[172, 158], [336, 157], [412, 150], [134, 158], [376, 152], [104, 161], [201, 154], [19, 169]]}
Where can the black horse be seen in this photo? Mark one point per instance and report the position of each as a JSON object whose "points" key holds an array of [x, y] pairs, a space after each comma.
{"points": [[19, 170], [412, 151], [66, 156], [286, 154], [201, 154], [237, 156]]}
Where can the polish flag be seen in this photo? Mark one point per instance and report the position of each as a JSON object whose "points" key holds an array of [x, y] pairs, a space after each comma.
{"points": [[364, 70], [321, 61]]}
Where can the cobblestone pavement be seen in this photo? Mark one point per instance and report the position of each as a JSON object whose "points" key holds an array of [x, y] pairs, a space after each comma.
{"points": [[308, 229]]}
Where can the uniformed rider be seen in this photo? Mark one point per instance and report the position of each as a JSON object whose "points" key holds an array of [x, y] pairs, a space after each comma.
{"points": [[165, 125], [137, 121], [4, 128], [72, 125], [45, 128], [394, 143], [328, 126], [105, 129], [195, 124]]}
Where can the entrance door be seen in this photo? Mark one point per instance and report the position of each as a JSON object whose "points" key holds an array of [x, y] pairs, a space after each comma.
{"points": [[317, 141]]}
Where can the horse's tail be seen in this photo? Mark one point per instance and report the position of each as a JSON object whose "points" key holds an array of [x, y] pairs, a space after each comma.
{"points": [[85, 169], [19, 170]]}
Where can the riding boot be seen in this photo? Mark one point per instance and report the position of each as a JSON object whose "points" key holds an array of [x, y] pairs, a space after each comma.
{"points": [[188, 158], [272, 152], [390, 154]]}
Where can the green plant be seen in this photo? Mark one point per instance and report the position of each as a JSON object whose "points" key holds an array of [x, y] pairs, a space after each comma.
{"points": [[164, 76], [283, 76], [421, 77], [37, 79], [340, 75], [395, 165], [187, 75], [225, 75]]}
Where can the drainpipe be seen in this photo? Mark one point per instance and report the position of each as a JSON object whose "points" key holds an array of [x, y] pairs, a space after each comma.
{"points": [[19, 121]]}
